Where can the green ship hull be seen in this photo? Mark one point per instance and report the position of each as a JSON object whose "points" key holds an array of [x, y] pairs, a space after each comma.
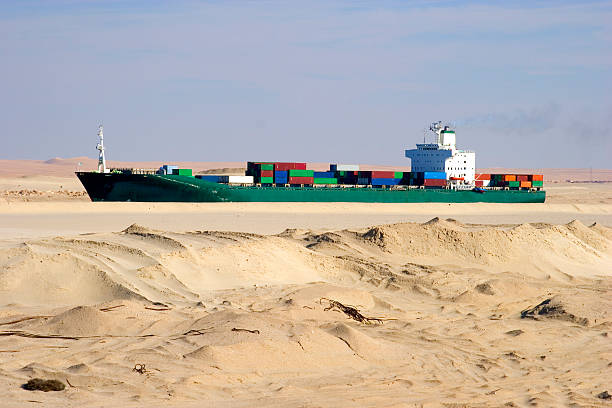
{"points": [[172, 188]]}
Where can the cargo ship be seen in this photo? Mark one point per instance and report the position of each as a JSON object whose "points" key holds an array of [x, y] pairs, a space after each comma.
{"points": [[439, 173]]}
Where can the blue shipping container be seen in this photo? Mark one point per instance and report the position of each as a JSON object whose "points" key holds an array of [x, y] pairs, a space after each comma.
{"points": [[324, 174], [212, 179], [385, 181], [281, 176], [434, 175]]}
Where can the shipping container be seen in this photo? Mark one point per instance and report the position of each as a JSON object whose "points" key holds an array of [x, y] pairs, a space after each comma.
{"points": [[289, 166], [281, 177], [300, 180], [537, 183], [537, 177], [509, 177], [479, 183], [208, 177], [266, 180], [481, 176], [301, 173], [382, 174], [236, 179], [182, 172], [324, 174], [363, 181], [344, 167], [522, 177], [525, 184], [398, 174], [434, 175], [434, 183], [514, 184], [266, 173], [385, 181], [325, 180], [281, 173]]}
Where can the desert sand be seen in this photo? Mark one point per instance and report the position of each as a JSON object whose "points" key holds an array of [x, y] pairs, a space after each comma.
{"points": [[470, 305]]}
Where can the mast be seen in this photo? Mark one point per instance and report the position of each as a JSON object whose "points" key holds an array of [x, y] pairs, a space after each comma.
{"points": [[436, 127], [100, 147]]}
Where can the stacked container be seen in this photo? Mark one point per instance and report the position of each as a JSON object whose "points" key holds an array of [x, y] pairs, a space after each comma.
{"points": [[299, 176], [537, 180], [325, 177], [482, 180], [434, 179], [281, 176]]}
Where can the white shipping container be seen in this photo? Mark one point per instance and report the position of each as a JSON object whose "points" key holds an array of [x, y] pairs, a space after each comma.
{"points": [[347, 167], [236, 179]]}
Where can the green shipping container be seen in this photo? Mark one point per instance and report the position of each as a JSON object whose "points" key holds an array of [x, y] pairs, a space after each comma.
{"points": [[399, 174], [301, 173], [325, 181], [266, 180], [514, 184], [537, 183], [267, 167], [182, 172]]}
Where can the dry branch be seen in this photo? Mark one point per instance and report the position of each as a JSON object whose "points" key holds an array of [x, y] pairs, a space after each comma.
{"points": [[350, 311]]}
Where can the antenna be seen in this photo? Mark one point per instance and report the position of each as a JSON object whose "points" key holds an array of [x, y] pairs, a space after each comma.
{"points": [[436, 127], [100, 148]]}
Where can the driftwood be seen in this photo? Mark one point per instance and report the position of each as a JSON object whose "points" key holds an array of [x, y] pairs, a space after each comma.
{"points": [[157, 309], [245, 330], [351, 312], [196, 332], [108, 309]]}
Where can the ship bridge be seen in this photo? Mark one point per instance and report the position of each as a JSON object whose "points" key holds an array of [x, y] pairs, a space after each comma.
{"points": [[444, 156]]}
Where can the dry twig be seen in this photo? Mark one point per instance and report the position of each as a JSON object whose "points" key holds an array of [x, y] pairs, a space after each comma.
{"points": [[245, 330], [108, 309], [350, 311]]}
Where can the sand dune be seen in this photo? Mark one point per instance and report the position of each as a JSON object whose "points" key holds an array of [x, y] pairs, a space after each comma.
{"points": [[470, 315]]}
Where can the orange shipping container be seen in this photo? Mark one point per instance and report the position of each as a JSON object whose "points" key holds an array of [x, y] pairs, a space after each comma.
{"points": [[509, 177], [537, 177], [483, 176], [525, 183]]}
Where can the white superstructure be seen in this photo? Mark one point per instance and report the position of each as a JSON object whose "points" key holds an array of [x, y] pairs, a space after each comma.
{"points": [[444, 156], [101, 158]]}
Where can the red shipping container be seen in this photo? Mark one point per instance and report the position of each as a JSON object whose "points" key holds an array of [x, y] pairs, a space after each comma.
{"points": [[383, 174], [289, 166], [434, 183], [483, 176], [267, 173], [522, 177], [301, 180], [537, 177], [479, 183]]}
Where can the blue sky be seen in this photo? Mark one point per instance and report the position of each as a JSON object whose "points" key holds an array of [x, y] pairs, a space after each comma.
{"points": [[527, 84]]}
